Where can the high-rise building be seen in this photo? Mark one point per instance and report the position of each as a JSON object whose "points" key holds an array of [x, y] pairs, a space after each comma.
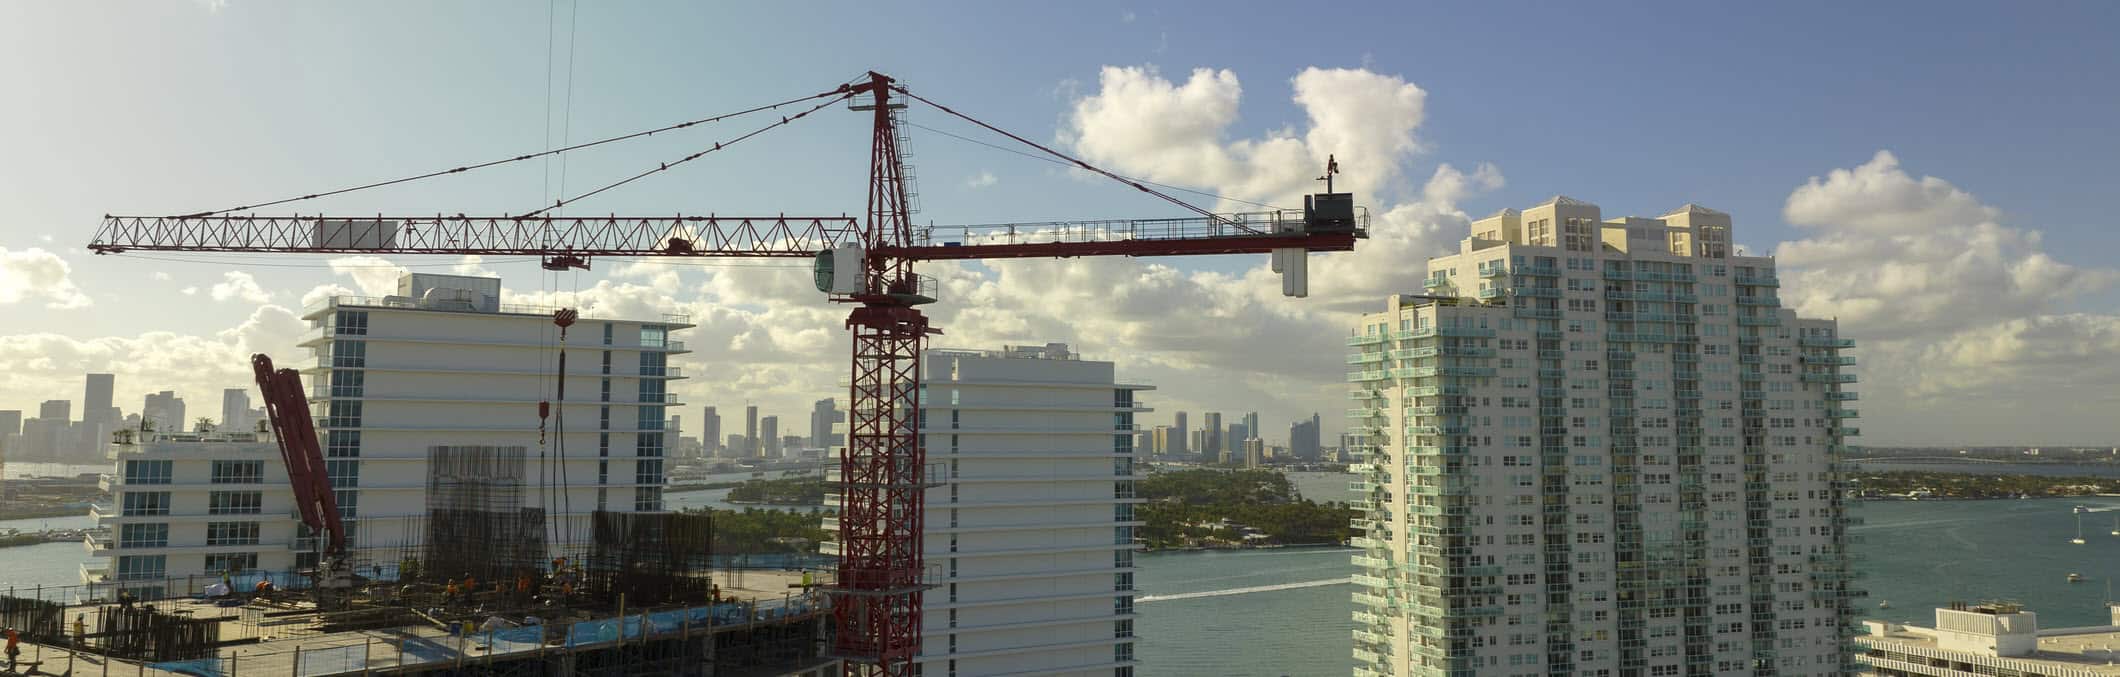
{"points": [[1199, 441], [235, 410], [441, 368], [1162, 439], [710, 432], [751, 448], [192, 504], [1235, 441], [1303, 439], [1032, 534], [1211, 446], [10, 422], [1601, 447], [1251, 427], [98, 418], [1254, 452], [769, 437], [1180, 443], [822, 415], [56, 410], [734, 445], [165, 410]]}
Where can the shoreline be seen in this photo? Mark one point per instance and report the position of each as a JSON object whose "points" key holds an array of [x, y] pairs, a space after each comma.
{"points": [[1285, 546]]}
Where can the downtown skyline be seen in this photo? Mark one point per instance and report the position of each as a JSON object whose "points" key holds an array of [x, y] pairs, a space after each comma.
{"points": [[1896, 217]]}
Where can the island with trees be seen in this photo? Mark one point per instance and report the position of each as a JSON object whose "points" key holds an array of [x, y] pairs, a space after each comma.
{"points": [[1211, 508]]}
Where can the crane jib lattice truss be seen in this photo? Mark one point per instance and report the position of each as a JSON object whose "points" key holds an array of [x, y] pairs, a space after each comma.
{"points": [[866, 261]]}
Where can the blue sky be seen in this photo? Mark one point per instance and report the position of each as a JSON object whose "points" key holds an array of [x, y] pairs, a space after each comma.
{"points": [[180, 106]]}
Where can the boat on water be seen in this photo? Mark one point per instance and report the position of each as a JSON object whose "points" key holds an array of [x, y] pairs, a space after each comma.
{"points": [[2116, 525], [2078, 540], [2074, 577], [1886, 604]]}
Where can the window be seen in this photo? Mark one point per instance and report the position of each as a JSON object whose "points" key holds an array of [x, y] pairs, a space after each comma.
{"points": [[351, 322], [349, 506], [143, 535], [342, 443], [349, 354], [147, 472], [647, 499], [654, 364], [135, 567], [1123, 605], [1123, 512], [231, 533], [648, 444], [231, 562], [137, 503], [1123, 580], [343, 414], [235, 502], [648, 472], [343, 474], [1123, 627], [238, 472], [1123, 652]]}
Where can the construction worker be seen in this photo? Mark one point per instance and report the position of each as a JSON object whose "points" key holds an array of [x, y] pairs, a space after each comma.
{"points": [[522, 583], [264, 587], [449, 591], [80, 629], [470, 584], [14, 647]]}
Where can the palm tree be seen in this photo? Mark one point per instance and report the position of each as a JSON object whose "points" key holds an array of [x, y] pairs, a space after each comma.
{"points": [[204, 425]]}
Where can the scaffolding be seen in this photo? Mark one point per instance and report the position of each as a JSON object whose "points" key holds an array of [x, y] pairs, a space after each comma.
{"points": [[476, 523]]}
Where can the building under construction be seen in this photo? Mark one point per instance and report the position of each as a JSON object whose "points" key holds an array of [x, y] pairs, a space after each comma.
{"points": [[476, 591]]}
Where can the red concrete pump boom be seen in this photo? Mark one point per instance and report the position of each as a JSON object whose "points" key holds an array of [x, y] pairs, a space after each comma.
{"points": [[865, 261], [288, 409]]}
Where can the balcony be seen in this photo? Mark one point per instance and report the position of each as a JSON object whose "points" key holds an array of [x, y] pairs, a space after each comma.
{"points": [[1843, 413], [1357, 376], [1490, 293], [1829, 378], [1822, 342], [1365, 339], [1364, 358], [1756, 280], [1833, 360], [1759, 321], [1840, 397]]}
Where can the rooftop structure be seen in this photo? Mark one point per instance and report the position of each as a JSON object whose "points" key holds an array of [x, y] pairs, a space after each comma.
{"points": [[1990, 639]]}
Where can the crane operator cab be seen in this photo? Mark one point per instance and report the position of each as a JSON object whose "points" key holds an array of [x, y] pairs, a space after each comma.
{"points": [[1329, 213]]}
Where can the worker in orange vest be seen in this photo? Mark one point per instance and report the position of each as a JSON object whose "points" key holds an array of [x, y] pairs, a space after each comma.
{"points": [[14, 647]]}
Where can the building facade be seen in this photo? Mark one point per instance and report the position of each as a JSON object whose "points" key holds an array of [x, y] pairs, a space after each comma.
{"points": [[193, 505], [1600, 447], [1029, 533], [444, 364]]}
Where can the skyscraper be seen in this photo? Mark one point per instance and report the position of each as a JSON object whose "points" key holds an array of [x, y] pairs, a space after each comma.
{"points": [[751, 448], [95, 401], [235, 410], [823, 414], [710, 432], [1180, 443], [165, 410], [10, 422], [1211, 448], [1236, 436], [1303, 439], [1160, 442], [769, 437], [1251, 427], [1659, 495]]}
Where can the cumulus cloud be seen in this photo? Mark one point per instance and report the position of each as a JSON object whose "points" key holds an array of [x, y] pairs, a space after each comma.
{"points": [[982, 180], [198, 367], [1947, 298], [236, 285], [34, 275], [374, 275]]}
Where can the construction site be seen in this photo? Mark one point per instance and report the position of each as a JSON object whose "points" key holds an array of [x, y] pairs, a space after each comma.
{"points": [[480, 588], [476, 592]]}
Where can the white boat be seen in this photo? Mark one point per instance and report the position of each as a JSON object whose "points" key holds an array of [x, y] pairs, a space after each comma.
{"points": [[2075, 577], [2078, 540], [1886, 604]]}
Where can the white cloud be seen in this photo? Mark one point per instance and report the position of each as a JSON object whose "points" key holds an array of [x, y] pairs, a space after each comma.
{"points": [[160, 276], [374, 275], [237, 285], [1141, 124], [189, 291], [472, 264], [1126, 17], [212, 6], [198, 367], [1947, 300], [37, 275], [983, 180]]}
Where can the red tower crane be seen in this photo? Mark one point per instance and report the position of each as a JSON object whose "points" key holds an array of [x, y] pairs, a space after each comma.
{"points": [[866, 262]]}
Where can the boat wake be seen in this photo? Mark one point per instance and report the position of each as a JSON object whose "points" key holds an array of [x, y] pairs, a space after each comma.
{"points": [[1242, 591]]}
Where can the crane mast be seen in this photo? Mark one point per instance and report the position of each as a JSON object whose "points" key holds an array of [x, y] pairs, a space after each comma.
{"points": [[866, 262]]}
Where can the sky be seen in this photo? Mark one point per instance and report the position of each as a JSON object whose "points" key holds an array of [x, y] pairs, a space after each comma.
{"points": [[1934, 175]]}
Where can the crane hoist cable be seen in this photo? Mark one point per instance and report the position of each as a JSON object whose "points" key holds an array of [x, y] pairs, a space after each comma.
{"points": [[840, 92]]}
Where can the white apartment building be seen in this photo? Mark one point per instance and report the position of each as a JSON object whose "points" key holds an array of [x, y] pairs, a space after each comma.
{"points": [[193, 506], [1029, 535], [1990, 639], [1600, 447], [444, 363]]}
